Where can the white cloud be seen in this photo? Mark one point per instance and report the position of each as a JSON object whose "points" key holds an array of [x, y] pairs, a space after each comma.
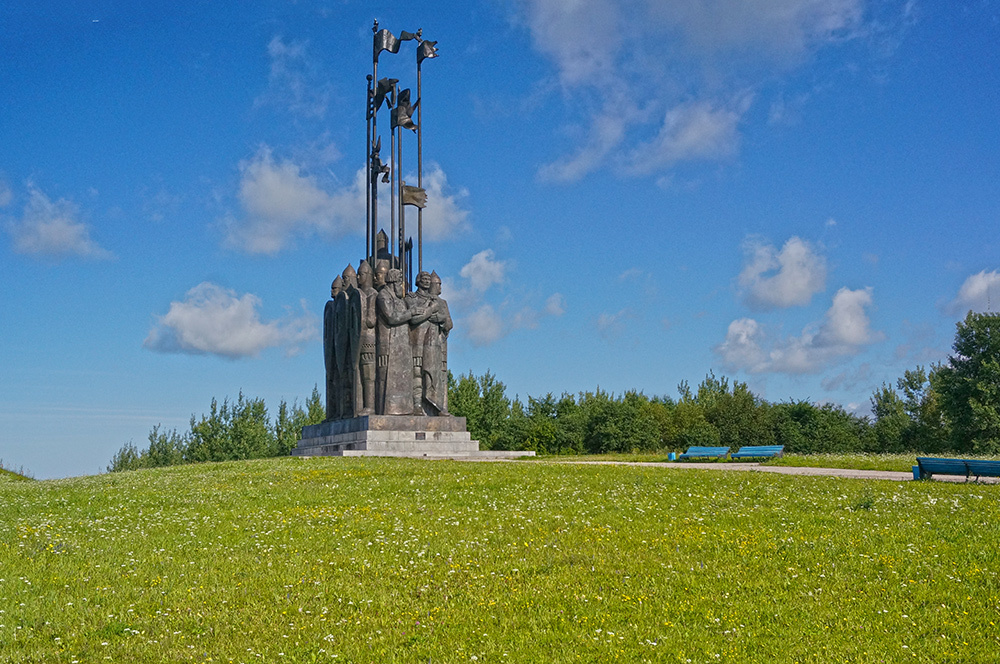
{"points": [[777, 28], [773, 279], [744, 346], [444, 216], [555, 305], [606, 133], [6, 195], [483, 271], [846, 323], [484, 278], [215, 320], [281, 201], [484, 326], [844, 331], [693, 131], [294, 80], [581, 36], [52, 229], [854, 379], [980, 292], [651, 72], [611, 326]]}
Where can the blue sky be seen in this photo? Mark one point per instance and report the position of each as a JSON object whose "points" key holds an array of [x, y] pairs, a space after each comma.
{"points": [[800, 194]]}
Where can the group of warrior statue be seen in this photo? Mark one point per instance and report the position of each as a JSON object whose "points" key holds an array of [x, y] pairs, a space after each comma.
{"points": [[386, 351]]}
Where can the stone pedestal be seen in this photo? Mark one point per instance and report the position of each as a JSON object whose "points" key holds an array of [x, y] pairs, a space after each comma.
{"points": [[397, 436]]}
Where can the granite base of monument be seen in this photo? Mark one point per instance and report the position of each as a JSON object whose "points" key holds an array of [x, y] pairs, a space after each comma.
{"points": [[395, 436]]}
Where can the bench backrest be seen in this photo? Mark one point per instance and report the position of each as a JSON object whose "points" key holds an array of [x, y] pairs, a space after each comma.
{"points": [[983, 467], [942, 466], [707, 451], [977, 467], [762, 449]]}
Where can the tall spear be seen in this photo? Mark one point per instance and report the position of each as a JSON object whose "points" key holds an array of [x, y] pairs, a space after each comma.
{"points": [[369, 256], [393, 167], [373, 183], [399, 197], [426, 49]]}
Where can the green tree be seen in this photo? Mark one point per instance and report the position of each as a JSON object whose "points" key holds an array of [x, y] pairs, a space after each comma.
{"points": [[688, 424], [805, 428], [969, 385], [891, 420], [928, 430], [484, 404], [740, 417], [165, 449], [126, 458], [618, 425], [234, 430]]}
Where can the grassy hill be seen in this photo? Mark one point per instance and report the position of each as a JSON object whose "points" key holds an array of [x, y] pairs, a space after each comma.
{"points": [[393, 560], [11, 475]]}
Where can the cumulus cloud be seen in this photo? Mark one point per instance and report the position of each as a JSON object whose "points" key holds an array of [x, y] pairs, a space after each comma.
{"points": [[773, 279], [606, 133], [779, 28], [582, 37], [280, 200], [693, 131], [217, 321], [483, 270], [844, 331], [611, 326], [484, 326], [658, 74], [473, 301], [294, 80], [52, 229], [980, 292], [444, 215], [555, 305], [858, 378]]}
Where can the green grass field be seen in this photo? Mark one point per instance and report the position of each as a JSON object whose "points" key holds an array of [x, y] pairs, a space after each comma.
{"points": [[860, 461], [393, 560], [12, 475]]}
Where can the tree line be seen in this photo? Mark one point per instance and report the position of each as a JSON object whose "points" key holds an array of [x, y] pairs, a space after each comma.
{"points": [[951, 407], [240, 429]]}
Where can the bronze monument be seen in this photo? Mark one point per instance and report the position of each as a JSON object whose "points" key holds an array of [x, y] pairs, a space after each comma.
{"points": [[385, 345]]}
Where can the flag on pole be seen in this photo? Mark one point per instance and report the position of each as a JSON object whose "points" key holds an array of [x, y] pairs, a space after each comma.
{"points": [[386, 41], [378, 168], [383, 88], [427, 49], [415, 196], [402, 115]]}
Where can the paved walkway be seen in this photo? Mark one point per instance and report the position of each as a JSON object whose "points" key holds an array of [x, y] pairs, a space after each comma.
{"points": [[785, 470]]}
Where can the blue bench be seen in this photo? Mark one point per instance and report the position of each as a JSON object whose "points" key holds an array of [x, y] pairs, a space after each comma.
{"points": [[696, 452], [759, 452], [928, 466]]}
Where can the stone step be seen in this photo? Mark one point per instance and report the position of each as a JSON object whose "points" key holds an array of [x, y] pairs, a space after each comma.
{"points": [[477, 454], [414, 436]]}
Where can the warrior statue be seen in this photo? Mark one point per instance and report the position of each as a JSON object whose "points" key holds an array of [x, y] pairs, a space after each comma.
{"points": [[434, 371], [378, 280], [347, 344], [329, 354], [368, 318], [419, 329], [394, 361]]}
